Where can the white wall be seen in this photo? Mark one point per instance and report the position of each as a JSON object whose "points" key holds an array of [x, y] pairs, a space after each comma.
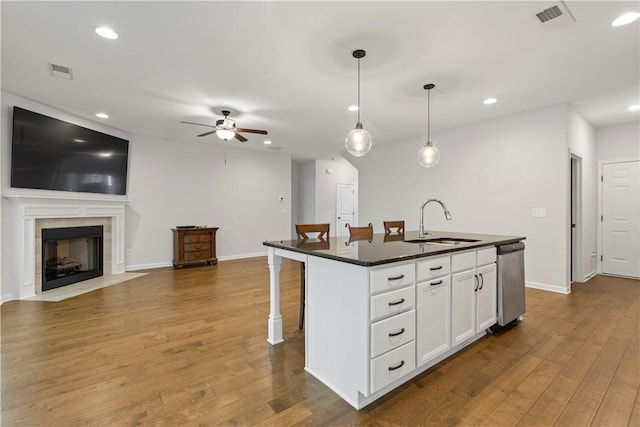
{"points": [[342, 172], [491, 175], [306, 208], [621, 142], [317, 189], [582, 143], [613, 144], [180, 183]]}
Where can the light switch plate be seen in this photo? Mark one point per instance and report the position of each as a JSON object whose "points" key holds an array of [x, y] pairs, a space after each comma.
{"points": [[539, 212]]}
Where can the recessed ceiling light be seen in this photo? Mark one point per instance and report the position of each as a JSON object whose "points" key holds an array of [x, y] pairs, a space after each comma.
{"points": [[489, 101], [625, 19], [267, 142], [102, 115], [353, 108], [107, 33], [634, 107]]}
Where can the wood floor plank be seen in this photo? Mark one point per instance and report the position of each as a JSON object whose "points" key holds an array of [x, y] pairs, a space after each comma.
{"points": [[188, 347]]}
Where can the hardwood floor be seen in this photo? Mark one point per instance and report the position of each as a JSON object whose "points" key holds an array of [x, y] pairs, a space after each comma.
{"points": [[188, 347]]}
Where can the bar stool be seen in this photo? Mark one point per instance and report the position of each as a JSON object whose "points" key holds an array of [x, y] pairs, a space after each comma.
{"points": [[390, 225], [303, 231]]}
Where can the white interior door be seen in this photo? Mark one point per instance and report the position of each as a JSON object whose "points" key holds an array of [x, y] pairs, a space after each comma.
{"points": [[345, 208], [621, 219]]}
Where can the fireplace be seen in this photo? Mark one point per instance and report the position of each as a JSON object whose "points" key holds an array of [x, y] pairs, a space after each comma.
{"points": [[71, 255]]}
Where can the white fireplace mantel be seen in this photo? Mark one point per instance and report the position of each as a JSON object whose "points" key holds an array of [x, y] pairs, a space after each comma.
{"points": [[27, 209]]}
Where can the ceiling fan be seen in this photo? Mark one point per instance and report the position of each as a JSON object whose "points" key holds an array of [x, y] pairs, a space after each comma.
{"points": [[226, 128]]}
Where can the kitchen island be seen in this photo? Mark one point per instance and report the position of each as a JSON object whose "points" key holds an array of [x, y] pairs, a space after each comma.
{"points": [[381, 311]]}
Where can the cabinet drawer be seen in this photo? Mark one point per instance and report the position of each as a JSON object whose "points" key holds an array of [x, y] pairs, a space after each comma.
{"points": [[392, 277], [393, 365], [191, 238], [188, 247], [392, 302], [463, 261], [390, 333], [434, 267], [197, 237], [487, 256], [197, 255]]}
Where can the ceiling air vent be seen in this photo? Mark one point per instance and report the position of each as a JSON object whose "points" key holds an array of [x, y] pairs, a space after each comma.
{"points": [[547, 14], [61, 71], [555, 17]]}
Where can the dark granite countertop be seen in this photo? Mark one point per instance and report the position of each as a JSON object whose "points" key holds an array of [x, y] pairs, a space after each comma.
{"points": [[384, 249]]}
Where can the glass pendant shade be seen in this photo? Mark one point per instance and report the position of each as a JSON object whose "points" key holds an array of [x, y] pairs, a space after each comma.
{"points": [[358, 141], [225, 134], [429, 155]]}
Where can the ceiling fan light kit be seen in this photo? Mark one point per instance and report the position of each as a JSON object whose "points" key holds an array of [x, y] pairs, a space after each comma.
{"points": [[358, 141], [226, 128], [429, 155]]}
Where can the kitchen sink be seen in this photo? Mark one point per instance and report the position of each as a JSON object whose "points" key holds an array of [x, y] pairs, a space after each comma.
{"points": [[446, 241]]}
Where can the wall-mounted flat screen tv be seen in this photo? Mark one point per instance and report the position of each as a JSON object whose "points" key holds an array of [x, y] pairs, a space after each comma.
{"points": [[51, 154]]}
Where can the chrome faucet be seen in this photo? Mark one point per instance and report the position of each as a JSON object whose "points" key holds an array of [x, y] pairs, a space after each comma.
{"points": [[447, 215]]}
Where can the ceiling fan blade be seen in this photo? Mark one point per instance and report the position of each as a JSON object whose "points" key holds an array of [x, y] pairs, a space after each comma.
{"points": [[261, 132], [240, 137], [199, 124], [208, 133]]}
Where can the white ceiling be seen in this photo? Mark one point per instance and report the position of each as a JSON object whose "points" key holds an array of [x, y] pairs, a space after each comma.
{"points": [[287, 66]]}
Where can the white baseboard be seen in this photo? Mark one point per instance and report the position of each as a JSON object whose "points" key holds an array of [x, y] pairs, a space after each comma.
{"points": [[590, 276], [6, 298], [148, 266], [231, 257], [170, 264], [550, 288]]}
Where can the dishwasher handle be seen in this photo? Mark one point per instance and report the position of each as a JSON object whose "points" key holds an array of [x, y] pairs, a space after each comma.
{"points": [[513, 247]]}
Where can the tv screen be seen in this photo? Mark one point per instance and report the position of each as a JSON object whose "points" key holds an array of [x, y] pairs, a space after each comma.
{"points": [[51, 154]]}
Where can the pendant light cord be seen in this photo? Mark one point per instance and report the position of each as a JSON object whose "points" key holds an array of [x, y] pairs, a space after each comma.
{"points": [[429, 116], [358, 90]]}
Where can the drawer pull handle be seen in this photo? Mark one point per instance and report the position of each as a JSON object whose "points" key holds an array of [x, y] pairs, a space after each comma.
{"points": [[400, 365], [395, 334], [439, 282], [475, 289], [400, 301], [436, 268], [481, 281], [398, 277]]}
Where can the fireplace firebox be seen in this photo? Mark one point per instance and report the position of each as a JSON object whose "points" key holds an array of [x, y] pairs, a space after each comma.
{"points": [[71, 255]]}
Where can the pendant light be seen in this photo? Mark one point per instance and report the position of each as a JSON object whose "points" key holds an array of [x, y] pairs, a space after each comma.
{"points": [[358, 141], [429, 155]]}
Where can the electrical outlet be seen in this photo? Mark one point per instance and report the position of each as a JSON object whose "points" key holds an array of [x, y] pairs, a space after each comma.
{"points": [[129, 252], [539, 212]]}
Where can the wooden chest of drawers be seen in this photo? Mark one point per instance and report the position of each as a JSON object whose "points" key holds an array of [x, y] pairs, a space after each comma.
{"points": [[194, 246]]}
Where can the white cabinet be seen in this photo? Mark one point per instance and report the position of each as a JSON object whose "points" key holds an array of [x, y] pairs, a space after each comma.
{"points": [[473, 294], [487, 298], [463, 306], [433, 318], [393, 324]]}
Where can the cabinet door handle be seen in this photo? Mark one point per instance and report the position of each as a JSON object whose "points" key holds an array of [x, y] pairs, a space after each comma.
{"points": [[400, 301], [481, 281], [439, 282], [400, 365], [398, 277], [475, 289], [436, 268], [395, 334]]}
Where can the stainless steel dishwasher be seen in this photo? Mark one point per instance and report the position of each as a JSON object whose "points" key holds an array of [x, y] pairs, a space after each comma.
{"points": [[511, 297]]}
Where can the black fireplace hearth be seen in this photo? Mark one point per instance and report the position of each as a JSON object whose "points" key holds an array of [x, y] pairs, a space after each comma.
{"points": [[71, 255]]}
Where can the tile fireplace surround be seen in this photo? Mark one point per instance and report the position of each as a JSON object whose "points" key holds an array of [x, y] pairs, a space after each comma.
{"points": [[30, 214]]}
